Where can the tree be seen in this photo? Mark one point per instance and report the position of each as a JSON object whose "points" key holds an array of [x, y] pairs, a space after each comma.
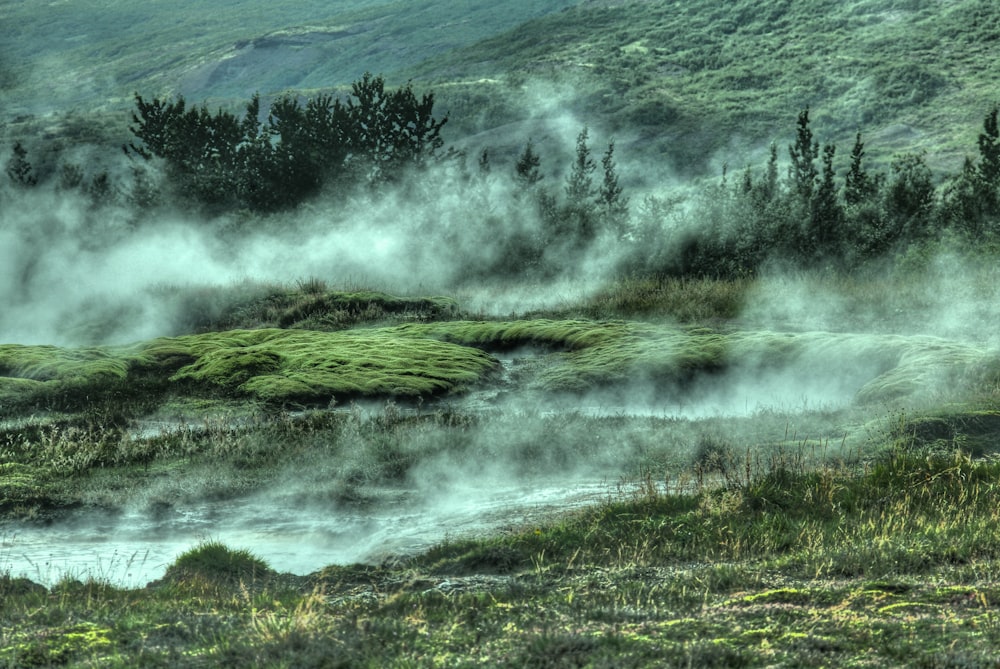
{"points": [[989, 166], [989, 150], [576, 221], [859, 186], [971, 200], [19, 169], [389, 131], [826, 216], [202, 151], [528, 168], [610, 201], [803, 153], [910, 197], [230, 161], [580, 181]]}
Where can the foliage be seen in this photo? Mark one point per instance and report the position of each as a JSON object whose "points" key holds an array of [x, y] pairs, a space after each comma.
{"points": [[19, 169], [217, 562], [812, 219], [230, 162]]}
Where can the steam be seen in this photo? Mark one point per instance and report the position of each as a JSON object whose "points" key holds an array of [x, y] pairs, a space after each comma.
{"points": [[79, 272]]}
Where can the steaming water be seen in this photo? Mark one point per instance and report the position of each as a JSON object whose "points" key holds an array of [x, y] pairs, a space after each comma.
{"points": [[133, 549], [794, 388]]}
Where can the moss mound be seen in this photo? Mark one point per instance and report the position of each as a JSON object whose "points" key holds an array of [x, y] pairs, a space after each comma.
{"points": [[334, 308], [297, 365], [593, 354], [215, 562], [429, 359]]}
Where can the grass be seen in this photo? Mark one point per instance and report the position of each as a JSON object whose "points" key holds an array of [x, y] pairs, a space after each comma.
{"points": [[850, 536], [421, 360], [682, 83], [798, 566], [91, 56], [272, 365], [598, 354], [681, 89], [305, 366], [215, 562], [311, 304]]}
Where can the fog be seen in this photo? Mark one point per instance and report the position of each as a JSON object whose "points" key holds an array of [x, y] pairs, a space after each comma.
{"points": [[78, 272], [75, 272]]}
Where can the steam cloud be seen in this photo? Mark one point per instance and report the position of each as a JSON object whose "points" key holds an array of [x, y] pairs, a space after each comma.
{"points": [[72, 272]]}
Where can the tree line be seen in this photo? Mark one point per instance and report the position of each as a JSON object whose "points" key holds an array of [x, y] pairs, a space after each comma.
{"points": [[263, 162], [812, 217]]}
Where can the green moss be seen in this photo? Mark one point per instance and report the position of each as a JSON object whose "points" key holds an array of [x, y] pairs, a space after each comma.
{"points": [[60, 646], [49, 363], [334, 309], [597, 353], [421, 360], [296, 365], [975, 432], [22, 485], [217, 562]]}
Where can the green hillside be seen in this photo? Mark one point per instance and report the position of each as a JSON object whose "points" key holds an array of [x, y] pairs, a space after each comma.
{"points": [[682, 80], [93, 54], [687, 84]]}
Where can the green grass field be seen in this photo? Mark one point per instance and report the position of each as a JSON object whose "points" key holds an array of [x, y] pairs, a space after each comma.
{"points": [[849, 536]]}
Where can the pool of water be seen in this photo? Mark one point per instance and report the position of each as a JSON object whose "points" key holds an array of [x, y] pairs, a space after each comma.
{"points": [[135, 548]]}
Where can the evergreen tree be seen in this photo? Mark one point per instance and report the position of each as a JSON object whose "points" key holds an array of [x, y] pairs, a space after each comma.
{"points": [[612, 204], [19, 169], [485, 168], [577, 220], [101, 190], [989, 169], [528, 168], [826, 216], [803, 153], [770, 185], [227, 161], [910, 197], [963, 205], [70, 177], [389, 131], [989, 150], [858, 185], [580, 182]]}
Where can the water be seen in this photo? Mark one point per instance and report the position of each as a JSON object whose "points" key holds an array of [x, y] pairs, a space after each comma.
{"points": [[300, 536], [133, 549]]}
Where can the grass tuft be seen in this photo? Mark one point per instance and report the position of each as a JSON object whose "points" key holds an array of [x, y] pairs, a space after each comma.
{"points": [[216, 562]]}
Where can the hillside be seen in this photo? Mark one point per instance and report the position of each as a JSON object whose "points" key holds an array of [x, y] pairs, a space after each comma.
{"points": [[92, 55], [685, 84], [688, 81]]}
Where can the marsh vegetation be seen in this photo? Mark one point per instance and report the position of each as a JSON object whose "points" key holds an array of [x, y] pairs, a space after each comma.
{"points": [[630, 530], [503, 365]]}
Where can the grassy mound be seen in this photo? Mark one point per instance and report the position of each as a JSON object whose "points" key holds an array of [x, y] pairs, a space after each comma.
{"points": [[430, 359], [595, 353], [269, 365], [298, 365], [215, 562], [308, 305], [63, 377]]}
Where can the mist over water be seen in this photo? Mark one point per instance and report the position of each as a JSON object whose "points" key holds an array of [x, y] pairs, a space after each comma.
{"points": [[75, 274], [135, 548]]}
